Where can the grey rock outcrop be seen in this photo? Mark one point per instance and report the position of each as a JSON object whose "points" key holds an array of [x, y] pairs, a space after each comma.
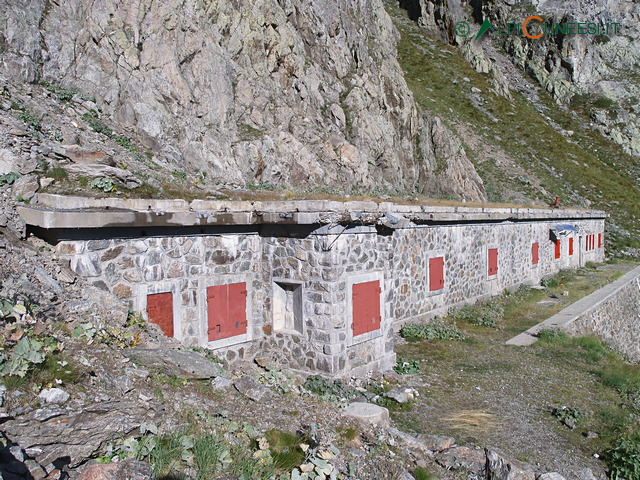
{"points": [[502, 467], [76, 436], [597, 69], [128, 469], [280, 92], [177, 363]]}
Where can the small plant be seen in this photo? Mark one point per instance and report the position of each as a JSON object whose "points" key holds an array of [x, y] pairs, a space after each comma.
{"points": [[179, 174], [330, 389], [624, 458], [436, 329], [261, 186], [103, 183], [9, 178], [568, 415], [58, 173], [421, 473], [407, 366], [30, 119]]}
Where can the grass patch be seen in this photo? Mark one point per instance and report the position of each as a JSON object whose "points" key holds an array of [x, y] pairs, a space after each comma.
{"points": [[285, 448]]}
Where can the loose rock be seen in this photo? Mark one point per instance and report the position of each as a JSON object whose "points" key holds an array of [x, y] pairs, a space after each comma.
{"points": [[125, 470], [249, 387], [54, 395], [368, 412]]}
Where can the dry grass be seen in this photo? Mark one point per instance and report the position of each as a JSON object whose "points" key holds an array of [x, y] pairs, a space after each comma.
{"points": [[472, 421]]}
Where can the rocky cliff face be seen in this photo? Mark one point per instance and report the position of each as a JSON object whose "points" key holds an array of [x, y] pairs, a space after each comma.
{"points": [[280, 92], [599, 72]]}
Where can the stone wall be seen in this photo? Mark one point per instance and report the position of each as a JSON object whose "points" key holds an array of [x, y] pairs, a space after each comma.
{"points": [[299, 285], [616, 318]]}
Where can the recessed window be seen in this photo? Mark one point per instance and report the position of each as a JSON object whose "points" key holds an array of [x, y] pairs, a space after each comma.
{"points": [[366, 307], [436, 274], [287, 307]]}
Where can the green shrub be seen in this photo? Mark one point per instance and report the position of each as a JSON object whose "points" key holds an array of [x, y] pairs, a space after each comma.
{"points": [[285, 449], [565, 414], [486, 314], [58, 173], [623, 458], [436, 329], [103, 183], [30, 119], [9, 178], [331, 389], [407, 366]]}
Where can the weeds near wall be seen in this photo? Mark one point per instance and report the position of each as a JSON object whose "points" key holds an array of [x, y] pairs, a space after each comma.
{"points": [[436, 329], [485, 314]]}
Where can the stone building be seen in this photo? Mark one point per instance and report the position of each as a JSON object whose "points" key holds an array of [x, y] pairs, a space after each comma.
{"points": [[320, 284]]}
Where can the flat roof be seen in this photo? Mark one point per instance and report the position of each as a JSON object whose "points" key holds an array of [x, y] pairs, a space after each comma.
{"points": [[64, 212]]}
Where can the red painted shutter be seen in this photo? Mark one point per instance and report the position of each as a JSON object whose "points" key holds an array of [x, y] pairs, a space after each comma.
{"points": [[160, 311], [366, 307], [570, 246], [535, 255], [436, 273], [227, 310], [493, 261], [238, 308], [558, 248], [599, 240]]}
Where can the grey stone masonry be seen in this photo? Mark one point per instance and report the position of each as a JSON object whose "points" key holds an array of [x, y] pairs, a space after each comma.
{"points": [[324, 284], [616, 317]]}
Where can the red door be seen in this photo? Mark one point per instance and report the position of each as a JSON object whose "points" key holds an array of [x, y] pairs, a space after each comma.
{"points": [[535, 253], [558, 248], [160, 311], [493, 261], [599, 240], [436, 273], [366, 307], [571, 246], [227, 310]]}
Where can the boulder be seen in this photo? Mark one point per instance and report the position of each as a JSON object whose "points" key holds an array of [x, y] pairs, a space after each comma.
{"points": [[25, 187], [437, 443], [78, 154], [249, 387], [128, 469], [551, 476], [465, 458], [402, 394], [368, 412], [502, 467], [413, 443], [7, 161], [54, 395], [176, 363]]}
